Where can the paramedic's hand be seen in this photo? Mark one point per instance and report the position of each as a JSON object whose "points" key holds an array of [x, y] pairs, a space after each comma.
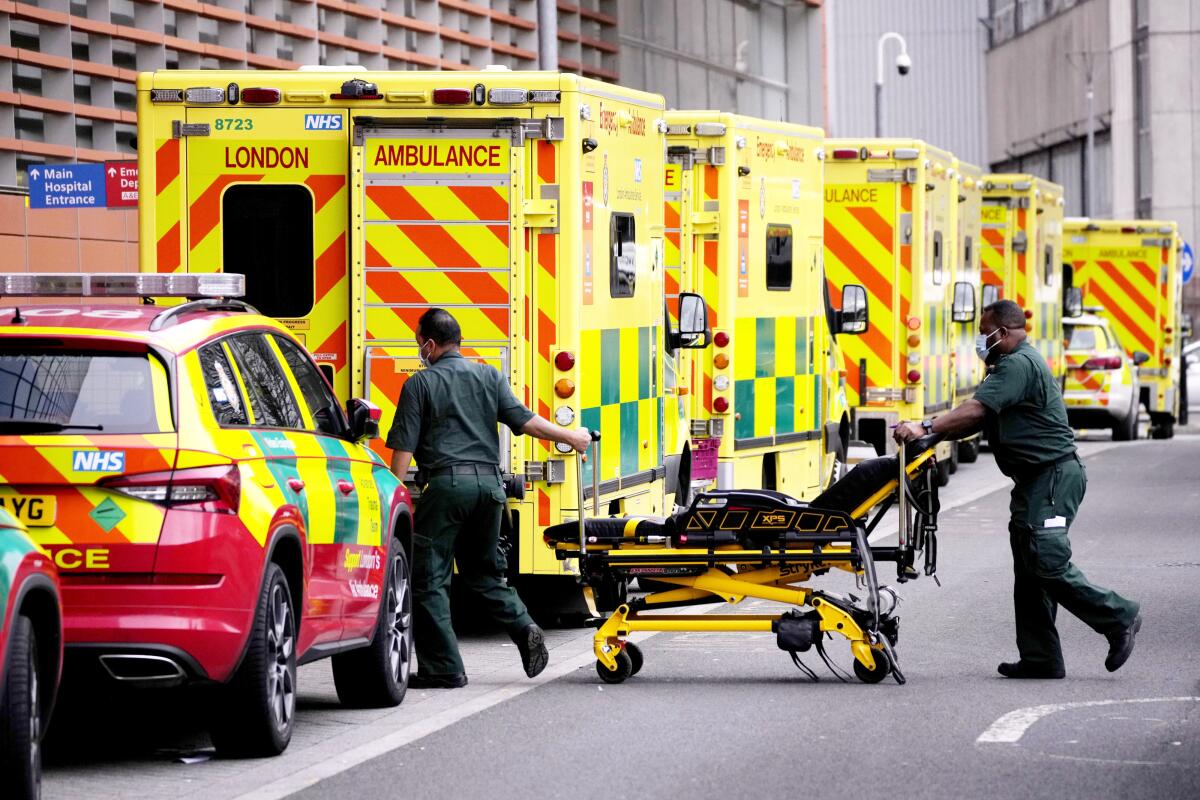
{"points": [[908, 431], [580, 439]]}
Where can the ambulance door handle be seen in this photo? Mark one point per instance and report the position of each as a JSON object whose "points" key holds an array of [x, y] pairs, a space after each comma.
{"points": [[345, 486], [296, 485]]}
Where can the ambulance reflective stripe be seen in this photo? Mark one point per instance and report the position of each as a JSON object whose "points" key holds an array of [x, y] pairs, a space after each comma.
{"points": [[775, 390], [167, 206], [541, 324], [87, 516], [672, 231], [860, 247], [622, 403], [992, 255], [708, 285], [1133, 313], [1022, 260]]}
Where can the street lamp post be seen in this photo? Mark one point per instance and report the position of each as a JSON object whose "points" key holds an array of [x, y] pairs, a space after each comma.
{"points": [[903, 65]]}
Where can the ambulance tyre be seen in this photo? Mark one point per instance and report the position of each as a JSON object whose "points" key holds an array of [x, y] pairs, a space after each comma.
{"points": [[624, 669], [636, 658], [968, 452], [882, 668], [953, 459], [943, 472], [258, 706], [21, 715], [376, 676]]}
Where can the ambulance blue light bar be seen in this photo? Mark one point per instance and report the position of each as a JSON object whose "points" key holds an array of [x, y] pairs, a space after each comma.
{"points": [[121, 284]]}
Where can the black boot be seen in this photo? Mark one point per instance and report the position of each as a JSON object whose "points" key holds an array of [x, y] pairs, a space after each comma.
{"points": [[419, 681], [532, 644], [1120, 645], [1022, 669]]}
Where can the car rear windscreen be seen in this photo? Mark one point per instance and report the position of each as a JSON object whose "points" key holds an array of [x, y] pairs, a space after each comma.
{"points": [[1085, 337], [47, 391]]}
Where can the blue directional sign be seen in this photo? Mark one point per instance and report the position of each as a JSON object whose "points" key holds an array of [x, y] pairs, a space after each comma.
{"points": [[66, 186], [1187, 261]]}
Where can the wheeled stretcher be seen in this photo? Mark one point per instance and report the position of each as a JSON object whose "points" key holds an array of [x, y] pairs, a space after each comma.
{"points": [[725, 546]]}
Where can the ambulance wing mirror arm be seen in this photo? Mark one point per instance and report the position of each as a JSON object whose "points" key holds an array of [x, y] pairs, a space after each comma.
{"points": [[854, 316], [964, 302], [1073, 302], [694, 331], [364, 419]]}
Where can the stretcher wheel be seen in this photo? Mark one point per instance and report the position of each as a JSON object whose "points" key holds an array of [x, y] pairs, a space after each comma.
{"points": [[624, 669], [882, 668], [636, 658]]}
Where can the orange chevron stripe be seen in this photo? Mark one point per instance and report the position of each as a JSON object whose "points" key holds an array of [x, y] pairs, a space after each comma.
{"points": [[397, 203], [547, 254], [545, 158], [439, 245], [483, 201], [324, 187], [335, 343], [671, 216], [1119, 313], [994, 237], [206, 211], [331, 267], [546, 334], [906, 191], [875, 224], [167, 250], [864, 271], [166, 164], [1146, 270], [1133, 294]]}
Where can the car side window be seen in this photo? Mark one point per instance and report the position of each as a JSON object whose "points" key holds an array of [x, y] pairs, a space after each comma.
{"points": [[271, 400], [223, 393], [322, 405]]}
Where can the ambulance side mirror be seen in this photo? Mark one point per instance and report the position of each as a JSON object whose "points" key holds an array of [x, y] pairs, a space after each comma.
{"points": [[694, 331], [1073, 302], [854, 316], [1140, 357], [364, 419], [964, 302]]}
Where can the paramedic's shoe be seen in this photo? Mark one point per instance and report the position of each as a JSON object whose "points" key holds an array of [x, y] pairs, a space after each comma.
{"points": [[1022, 669], [419, 681], [532, 644], [1120, 645]]}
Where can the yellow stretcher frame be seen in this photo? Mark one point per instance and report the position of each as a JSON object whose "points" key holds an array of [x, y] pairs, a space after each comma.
{"points": [[771, 583]]}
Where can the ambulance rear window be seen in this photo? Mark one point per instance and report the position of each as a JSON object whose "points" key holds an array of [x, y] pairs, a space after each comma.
{"points": [[779, 257], [269, 239], [52, 391], [622, 274]]}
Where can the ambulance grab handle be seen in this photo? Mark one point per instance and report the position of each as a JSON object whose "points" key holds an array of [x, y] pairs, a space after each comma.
{"points": [[902, 496], [579, 486]]}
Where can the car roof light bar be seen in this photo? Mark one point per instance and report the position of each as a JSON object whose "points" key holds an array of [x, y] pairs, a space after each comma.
{"points": [[121, 284]]}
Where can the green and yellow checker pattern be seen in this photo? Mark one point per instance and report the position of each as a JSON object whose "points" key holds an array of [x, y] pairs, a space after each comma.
{"points": [[775, 389], [622, 404], [936, 366]]}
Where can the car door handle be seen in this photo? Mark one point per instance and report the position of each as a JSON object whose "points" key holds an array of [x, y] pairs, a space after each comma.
{"points": [[345, 486], [296, 485]]}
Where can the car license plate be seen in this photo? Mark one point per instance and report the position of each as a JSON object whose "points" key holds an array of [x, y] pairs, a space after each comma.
{"points": [[35, 510]]}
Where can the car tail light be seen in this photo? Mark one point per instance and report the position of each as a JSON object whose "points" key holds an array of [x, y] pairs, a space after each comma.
{"points": [[1103, 362], [564, 360], [721, 339], [451, 97], [203, 488], [260, 96], [720, 405]]}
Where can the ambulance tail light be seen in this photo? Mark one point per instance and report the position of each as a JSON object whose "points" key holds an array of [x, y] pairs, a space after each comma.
{"points": [[564, 361], [451, 97], [721, 339], [564, 387], [261, 97], [1128, 229], [720, 405], [913, 376], [215, 489], [1102, 363], [845, 153]]}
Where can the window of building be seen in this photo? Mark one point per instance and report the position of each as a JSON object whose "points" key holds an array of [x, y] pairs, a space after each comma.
{"points": [[24, 34], [269, 239], [83, 89], [172, 59], [79, 46], [26, 78], [124, 96], [270, 399], [83, 133], [207, 30], [170, 22], [124, 54], [285, 50], [223, 393], [79, 8], [126, 137], [350, 23], [779, 257], [120, 12], [30, 124], [23, 164], [622, 268]]}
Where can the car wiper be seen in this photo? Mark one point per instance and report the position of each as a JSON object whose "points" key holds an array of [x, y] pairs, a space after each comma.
{"points": [[11, 424]]}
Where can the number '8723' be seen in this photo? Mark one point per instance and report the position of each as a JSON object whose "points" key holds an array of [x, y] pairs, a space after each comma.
{"points": [[234, 124]]}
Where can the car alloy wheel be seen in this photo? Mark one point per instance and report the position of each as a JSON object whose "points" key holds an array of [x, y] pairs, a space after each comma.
{"points": [[281, 642], [399, 631]]}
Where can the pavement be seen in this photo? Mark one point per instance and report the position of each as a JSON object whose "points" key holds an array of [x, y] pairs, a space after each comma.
{"points": [[728, 715]]}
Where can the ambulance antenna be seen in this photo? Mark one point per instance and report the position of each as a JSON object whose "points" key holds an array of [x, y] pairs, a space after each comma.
{"points": [[17, 318]]}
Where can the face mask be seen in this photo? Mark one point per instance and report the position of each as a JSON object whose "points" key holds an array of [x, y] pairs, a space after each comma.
{"points": [[982, 348], [424, 356]]}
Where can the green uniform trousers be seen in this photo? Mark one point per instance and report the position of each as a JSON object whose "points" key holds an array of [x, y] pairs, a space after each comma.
{"points": [[1043, 507], [458, 521]]}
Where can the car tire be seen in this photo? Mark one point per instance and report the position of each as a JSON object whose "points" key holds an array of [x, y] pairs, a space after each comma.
{"points": [[1126, 429], [21, 716], [258, 706], [376, 676]]}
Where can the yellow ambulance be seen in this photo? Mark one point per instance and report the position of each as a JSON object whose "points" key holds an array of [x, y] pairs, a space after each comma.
{"points": [[743, 211], [1022, 219], [890, 208], [528, 204], [1130, 269]]}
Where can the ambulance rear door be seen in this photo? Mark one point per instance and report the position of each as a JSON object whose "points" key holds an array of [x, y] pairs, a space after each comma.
{"points": [[436, 222]]}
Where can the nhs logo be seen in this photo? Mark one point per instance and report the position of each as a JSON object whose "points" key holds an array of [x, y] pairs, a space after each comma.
{"points": [[322, 122], [98, 461]]}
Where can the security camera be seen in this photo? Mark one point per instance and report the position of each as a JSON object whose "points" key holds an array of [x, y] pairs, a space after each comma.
{"points": [[903, 63]]}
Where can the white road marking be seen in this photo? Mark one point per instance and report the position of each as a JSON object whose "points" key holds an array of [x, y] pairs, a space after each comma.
{"points": [[1012, 726]]}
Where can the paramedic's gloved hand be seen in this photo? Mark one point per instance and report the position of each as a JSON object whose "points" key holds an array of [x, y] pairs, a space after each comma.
{"points": [[908, 431], [580, 439]]}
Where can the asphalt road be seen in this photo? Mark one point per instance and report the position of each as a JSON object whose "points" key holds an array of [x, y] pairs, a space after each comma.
{"points": [[728, 715]]}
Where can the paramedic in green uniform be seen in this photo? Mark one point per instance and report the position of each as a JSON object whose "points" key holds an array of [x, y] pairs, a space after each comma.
{"points": [[447, 416], [1019, 406]]}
